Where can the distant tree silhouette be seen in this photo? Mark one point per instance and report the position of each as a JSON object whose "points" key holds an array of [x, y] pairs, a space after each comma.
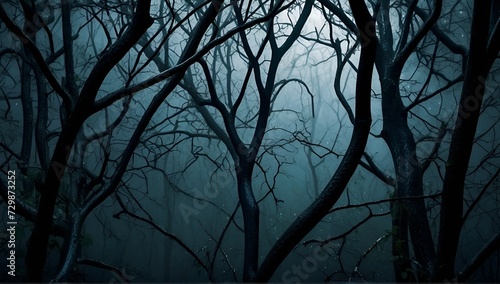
{"points": [[138, 89]]}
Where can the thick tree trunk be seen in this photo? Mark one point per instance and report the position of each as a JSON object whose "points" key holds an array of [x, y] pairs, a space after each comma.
{"points": [[400, 247], [399, 138]]}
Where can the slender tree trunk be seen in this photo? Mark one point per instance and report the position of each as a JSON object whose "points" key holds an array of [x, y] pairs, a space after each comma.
{"points": [[471, 99], [71, 244], [170, 201], [306, 221], [26, 103], [71, 247], [250, 211], [41, 120]]}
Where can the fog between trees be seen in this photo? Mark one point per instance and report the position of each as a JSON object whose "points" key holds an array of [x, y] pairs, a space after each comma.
{"points": [[281, 141]]}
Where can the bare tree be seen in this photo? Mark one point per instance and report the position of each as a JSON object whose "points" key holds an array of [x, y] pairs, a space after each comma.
{"points": [[176, 95]]}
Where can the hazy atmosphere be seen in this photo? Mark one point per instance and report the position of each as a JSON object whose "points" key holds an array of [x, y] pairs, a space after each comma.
{"points": [[284, 141]]}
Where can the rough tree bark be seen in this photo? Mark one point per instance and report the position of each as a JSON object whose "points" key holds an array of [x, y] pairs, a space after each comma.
{"points": [[410, 214]]}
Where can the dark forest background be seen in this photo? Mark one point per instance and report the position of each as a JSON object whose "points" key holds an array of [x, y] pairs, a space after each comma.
{"points": [[271, 140]]}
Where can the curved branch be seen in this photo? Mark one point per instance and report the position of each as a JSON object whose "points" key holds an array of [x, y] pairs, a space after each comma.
{"points": [[162, 231], [182, 64], [410, 47], [37, 56], [335, 187]]}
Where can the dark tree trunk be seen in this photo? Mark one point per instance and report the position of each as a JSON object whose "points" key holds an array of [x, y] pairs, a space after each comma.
{"points": [[478, 65], [26, 102], [71, 246], [334, 189], [402, 145], [41, 120], [38, 242], [400, 247], [250, 211]]}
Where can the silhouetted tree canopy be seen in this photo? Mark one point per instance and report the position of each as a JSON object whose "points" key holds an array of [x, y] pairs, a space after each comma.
{"points": [[284, 140]]}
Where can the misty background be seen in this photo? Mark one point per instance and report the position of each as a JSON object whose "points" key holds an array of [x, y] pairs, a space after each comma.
{"points": [[148, 136]]}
